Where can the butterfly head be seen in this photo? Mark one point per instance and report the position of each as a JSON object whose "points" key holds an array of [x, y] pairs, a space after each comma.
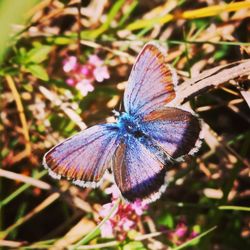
{"points": [[128, 126]]}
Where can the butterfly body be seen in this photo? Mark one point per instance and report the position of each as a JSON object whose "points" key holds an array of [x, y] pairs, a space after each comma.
{"points": [[147, 138], [128, 126]]}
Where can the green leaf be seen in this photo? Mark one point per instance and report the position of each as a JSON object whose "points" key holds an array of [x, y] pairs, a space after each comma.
{"points": [[37, 71], [12, 12], [220, 54], [62, 40], [166, 220], [38, 55]]}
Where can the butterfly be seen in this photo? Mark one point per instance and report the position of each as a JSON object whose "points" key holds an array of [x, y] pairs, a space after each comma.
{"points": [[146, 139]]}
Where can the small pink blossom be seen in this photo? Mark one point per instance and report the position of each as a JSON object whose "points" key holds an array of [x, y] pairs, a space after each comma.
{"points": [[181, 233], [126, 224], [107, 230], [95, 60], [70, 82], [125, 217], [101, 73], [83, 76], [69, 64], [193, 234], [139, 207], [106, 210], [87, 71], [84, 86], [181, 230]]}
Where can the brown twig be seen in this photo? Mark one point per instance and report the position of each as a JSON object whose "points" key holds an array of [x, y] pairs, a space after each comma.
{"points": [[79, 28], [23, 120], [211, 78]]}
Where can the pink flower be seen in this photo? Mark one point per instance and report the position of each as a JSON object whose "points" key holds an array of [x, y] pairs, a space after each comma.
{"points": [[107, 230], [125, 217], [84, 86], [95, 60], [87, 71], [106, 210], [70, 64], [126, 224], [101, 73], [138, 207], [181, 230], [181, 233], [70, 82], [82, 76], [193, 235]]}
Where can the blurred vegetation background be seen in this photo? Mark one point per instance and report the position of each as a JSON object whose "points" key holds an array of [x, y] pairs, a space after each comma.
{"points": [[64, 66]]}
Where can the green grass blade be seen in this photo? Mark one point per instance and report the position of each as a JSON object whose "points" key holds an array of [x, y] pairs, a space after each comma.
{"points": [[111, 16], [236, 208], [90, 235], [127, 14]]}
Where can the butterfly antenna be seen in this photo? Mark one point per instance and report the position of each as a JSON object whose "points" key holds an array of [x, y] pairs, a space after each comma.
{"points": [[120, 106]]}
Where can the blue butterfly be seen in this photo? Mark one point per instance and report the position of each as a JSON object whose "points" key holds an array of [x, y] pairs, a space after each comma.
{"points": [[146, 139]]}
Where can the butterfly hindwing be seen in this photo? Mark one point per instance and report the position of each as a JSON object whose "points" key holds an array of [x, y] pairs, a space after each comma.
{"points": [[175, 130], [151, 82], [138, 173], [84, 157]]}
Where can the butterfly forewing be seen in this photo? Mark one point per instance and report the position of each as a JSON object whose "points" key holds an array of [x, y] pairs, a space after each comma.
{"points": [[175, 130], [138, 173], [84, 157], [151, 82]]}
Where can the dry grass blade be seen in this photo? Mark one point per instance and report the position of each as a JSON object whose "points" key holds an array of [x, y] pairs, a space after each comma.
{"points": [[68, 111], [10, 244], [211, 78], [246, 96], [25, 179], [23, 120], [116, 52], [82, 228]]}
